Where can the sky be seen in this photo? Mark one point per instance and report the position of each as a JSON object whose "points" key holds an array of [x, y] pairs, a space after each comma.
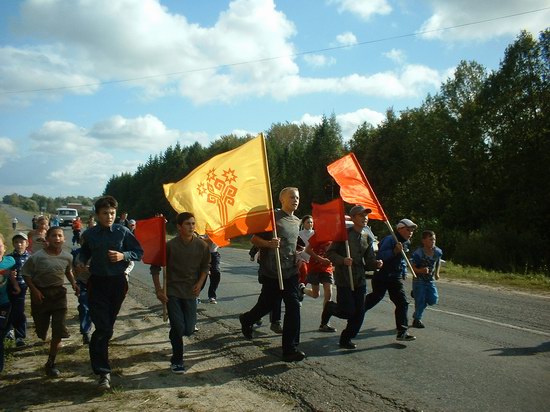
{"points": [[91, 88]]}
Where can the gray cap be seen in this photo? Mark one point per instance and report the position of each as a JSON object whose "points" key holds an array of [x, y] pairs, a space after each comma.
{"points": [[355, 210], [406, 223], [19, 234]]}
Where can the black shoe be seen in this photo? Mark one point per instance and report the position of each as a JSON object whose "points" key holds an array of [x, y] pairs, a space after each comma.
{"points": [[301, 291], [51, 370], [276, 327], [404, 336], [348, 345], [296, 356], [418, 324], [245, 329]]}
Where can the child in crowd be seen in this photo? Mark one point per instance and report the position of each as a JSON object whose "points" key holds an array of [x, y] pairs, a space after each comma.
{"points": [[187, 262], [7, 274], [44, 274], [18, 320], [425, 261], [37, 237], [108, 248]]}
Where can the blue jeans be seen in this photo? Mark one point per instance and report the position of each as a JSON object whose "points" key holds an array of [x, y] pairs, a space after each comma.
{"points": [[182, 314], [18, 320], [269, 296], [83, 308], [105, 297], [425, 293], [351, 306]]}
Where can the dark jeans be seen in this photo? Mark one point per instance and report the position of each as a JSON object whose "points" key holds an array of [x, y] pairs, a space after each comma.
{"points": [[271, 294], [18, 320], [351, 306], [275, 314], [4, 319], [84, 308], [183, 318], [397, 295], [105, 297], [215, 274]]}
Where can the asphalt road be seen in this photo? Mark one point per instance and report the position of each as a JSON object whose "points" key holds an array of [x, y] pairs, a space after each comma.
{"points": [[484, 349]]}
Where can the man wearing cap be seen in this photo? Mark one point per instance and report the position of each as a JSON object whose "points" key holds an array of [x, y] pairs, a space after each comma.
{"points": [[18, 320], [390, 277], [350, 303]]}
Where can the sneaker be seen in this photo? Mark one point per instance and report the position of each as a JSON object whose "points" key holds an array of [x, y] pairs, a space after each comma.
{"points": [[85, 338], [258, 324], [19, 342], [347, 345], [412, 294], [301, 291], [404, 336], [196, 329], [245, 329], [51, 370], [252, 258], [104, 383], [212, 301], [276, 327], [177, 368], [296, 356], [326, 328], [10, 335], [417, 323]]}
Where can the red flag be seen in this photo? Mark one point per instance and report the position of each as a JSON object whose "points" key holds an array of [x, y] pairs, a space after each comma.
{"points": [[151, 234], [329, 221], [354, 186]]}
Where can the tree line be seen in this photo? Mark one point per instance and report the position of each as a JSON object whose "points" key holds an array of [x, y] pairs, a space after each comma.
{"points": [[471, 163]]}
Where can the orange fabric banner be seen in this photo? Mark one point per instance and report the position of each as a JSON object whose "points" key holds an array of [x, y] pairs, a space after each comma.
{"points": [[151, 234], [329, 221], [229, 194], [354, 186]]}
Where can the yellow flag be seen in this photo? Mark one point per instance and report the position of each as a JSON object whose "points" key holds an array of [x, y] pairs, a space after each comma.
{"points": [[229, 194]]}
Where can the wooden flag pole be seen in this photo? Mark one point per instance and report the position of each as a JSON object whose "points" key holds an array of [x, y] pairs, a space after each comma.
{"points": [[164, 281], [277, 252], [350, 270]]}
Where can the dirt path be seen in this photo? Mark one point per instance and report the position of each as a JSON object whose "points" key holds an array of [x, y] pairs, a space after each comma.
{"points": [[140, 353]]}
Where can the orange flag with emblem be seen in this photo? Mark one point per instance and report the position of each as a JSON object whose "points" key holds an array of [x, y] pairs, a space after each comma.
{"points": [[229, 194], [354, 186]]}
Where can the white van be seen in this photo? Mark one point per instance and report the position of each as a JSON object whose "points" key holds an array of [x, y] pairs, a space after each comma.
{"points": [[66, 215]]}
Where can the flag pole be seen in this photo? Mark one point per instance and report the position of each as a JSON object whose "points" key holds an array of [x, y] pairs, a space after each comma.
{"points": [[270, 197], [164, 281], [350, 270]]}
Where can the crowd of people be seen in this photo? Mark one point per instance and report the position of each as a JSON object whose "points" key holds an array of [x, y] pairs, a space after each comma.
{"points": [[289, 257]]}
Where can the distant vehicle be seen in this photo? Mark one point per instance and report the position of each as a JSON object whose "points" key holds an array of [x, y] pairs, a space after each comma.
{"points": [[66, 215]]}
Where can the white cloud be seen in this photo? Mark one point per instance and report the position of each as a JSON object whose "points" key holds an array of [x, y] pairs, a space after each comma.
{"points": [[456, 12], [349, 122], [8, 149], [398, 56], [346, 39], [319, 60], [364, 9]]}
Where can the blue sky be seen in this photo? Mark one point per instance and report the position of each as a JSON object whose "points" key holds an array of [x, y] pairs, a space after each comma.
{"points": [[89, 89]]}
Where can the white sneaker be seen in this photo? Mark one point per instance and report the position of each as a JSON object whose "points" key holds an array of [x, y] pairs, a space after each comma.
{"points": [[212, 301]]}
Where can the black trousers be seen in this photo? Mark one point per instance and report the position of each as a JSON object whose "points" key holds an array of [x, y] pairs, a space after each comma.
{"points": [[394, 286]]}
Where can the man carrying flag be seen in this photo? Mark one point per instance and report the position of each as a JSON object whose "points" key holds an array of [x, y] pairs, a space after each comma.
{"points": [[350, 300], [287, 228], [187, 262]]}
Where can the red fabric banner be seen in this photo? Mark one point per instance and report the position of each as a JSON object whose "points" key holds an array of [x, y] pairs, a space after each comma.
{"points": [[151, 234], [354, 186], [329, 221]]}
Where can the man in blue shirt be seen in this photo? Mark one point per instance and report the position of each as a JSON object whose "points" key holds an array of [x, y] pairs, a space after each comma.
{"points": [[108, 248], [390, 277]]}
